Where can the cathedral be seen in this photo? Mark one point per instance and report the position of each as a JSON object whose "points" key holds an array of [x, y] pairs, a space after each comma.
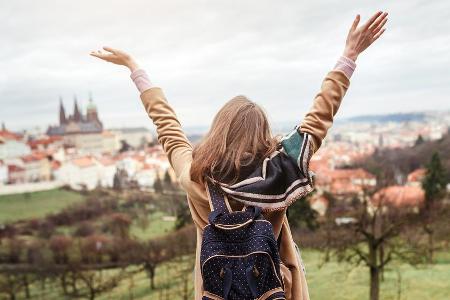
{"points": [[77, 123]]}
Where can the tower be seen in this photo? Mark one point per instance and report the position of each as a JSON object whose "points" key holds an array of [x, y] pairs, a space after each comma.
{"points": [[76, 111], [91, 112], [62, 113]]}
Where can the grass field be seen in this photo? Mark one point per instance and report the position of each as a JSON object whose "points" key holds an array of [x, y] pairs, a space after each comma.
{"points": [[35, 205], [333, 280], [157, 227], [337, 281]]}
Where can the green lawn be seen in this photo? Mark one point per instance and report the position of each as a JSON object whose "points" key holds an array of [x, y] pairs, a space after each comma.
{"points": [[35, 205], [337, 281], [333, 280], [156, 227]]}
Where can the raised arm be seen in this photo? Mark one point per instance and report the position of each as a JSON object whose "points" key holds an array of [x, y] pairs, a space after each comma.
{"points": [[307, 137], [170, 133], [326, 103]]}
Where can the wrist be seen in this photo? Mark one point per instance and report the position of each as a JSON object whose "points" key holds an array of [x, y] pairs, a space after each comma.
{"points": [[132, 65], [353, 55]]}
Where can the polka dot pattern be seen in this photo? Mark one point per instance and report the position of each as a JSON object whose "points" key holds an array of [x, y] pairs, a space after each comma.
{"points": [[248, 256]]}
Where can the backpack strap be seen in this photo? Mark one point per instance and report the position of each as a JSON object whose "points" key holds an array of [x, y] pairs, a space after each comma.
{"points": [[217, 199]]}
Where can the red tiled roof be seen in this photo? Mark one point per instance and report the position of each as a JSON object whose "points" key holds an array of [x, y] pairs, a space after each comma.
{"points": [[344, 188], [106, 160], [8, 135], [416, 175], [45, 141], [15, 168], [350, 173], [83, 162], [399, 196], [35, 156], [55, 164], [108, 134]]}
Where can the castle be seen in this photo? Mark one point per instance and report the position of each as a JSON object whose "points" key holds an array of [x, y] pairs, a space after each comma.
{"points": [[77, 123]]}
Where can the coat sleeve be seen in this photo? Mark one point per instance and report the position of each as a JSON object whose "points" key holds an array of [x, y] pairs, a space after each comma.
{"points": [[170, 134], [307, 137], [325, 106]]}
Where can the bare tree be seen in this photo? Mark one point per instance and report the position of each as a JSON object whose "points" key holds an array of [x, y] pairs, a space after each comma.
{"points": [[375, 237]]}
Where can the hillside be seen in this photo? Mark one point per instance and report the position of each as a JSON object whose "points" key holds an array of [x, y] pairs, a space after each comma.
{"points": [[397, 163]]}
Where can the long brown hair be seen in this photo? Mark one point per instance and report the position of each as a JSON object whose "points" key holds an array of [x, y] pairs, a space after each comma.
{"points": [[239, 136]]}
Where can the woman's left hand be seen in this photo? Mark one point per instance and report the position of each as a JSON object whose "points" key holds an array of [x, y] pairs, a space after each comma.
{"points": [[117, 57], [360, 38]]}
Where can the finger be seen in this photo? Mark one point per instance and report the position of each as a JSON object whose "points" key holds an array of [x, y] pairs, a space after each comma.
{"points": [[99, 54], [109, 49], [379, 27], [95, 54], [380, 19], [378, 35], [355, 23], [372, 19]]}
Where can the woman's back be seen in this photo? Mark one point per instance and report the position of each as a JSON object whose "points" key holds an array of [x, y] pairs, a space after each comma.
{"points": [[240, 128]]}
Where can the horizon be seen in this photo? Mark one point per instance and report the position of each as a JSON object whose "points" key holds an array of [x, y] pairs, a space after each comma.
{"points": [[277, 126]]}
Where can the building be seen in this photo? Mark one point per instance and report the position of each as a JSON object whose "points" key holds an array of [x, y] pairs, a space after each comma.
{"points": [[346, 183], [78, 173], [37, 167], [11, 145], [415, 177], [83, 131], [319, 204], [397, 196], [106, 171], [77, 123], [46, 144], [16, 174], [3, 173], [135, 137]]}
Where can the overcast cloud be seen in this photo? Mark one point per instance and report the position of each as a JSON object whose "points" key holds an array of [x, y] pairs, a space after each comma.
{"points": [[205, 52]]}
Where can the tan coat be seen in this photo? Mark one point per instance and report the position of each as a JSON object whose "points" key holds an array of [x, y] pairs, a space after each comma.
{"points": [[179, 151]]}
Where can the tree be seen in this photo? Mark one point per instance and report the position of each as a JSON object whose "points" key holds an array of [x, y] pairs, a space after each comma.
{"points": [[375, 236], [157, 185], [301, 214], [168, 180], [60, 245], [96, 283], [119, 225], [435, 181], [152, 255], [419, 140], [183, 213], [120, 180], [124, 146], [434, 184]]}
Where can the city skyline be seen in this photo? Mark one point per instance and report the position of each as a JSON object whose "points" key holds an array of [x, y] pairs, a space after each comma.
{"points": [[278, 60]]}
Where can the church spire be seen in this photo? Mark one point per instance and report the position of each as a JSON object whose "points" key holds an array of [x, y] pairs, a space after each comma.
{"points": [[76, 110], [62, 112]]}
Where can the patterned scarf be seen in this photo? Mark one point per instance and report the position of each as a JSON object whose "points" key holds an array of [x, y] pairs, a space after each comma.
{"points": [[283, 178]]}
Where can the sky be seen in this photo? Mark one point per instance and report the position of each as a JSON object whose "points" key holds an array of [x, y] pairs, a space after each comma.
{"points": [[202, 53]]}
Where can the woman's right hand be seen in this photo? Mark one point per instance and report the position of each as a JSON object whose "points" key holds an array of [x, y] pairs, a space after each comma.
{"points": [[117, 57], [360, 38]]}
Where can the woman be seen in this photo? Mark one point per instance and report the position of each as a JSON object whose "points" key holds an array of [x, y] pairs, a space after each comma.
{"points": [[240, 140]]}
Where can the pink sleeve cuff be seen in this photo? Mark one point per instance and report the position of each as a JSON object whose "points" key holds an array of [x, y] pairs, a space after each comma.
{"points": [[345, 65], [141, 80]]}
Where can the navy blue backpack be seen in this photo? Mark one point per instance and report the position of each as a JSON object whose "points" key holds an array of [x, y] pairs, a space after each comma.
{"points": [[239, 254]]}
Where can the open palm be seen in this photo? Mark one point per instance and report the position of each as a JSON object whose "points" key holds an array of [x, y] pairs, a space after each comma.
{"points": [[360, 38], [116, 56]]}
